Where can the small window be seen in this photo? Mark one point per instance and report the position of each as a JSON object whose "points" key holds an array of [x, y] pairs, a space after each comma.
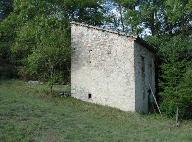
{"points": [[89, 96]]}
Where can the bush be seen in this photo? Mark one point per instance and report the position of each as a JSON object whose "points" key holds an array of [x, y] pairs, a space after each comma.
{"points": [[51, 56], [185, 95], [36, 41], [175, 80]]}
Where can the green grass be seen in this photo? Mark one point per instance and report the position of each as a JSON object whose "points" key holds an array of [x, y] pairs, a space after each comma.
{"points": [[28, 114]]}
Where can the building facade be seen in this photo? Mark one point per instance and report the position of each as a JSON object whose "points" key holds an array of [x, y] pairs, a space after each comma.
{"points": [[111, 68]]}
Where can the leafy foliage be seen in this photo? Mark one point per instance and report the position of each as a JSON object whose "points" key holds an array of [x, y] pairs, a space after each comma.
{"points": [[87, 11], [159, 17], [36, 36], [52, 51], [175, 71], [5, 8]]}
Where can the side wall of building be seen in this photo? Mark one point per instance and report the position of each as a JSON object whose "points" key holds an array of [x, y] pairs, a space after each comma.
{"points": [[144, 77], [102, 69]]}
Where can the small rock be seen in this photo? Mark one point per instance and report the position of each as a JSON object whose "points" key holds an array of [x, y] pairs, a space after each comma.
{"points": [[64, 94], [31, 82], [61, 94]]}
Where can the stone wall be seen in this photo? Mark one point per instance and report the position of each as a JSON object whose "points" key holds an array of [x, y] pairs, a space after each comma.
{"points": [[142, 93], [103, 68]]}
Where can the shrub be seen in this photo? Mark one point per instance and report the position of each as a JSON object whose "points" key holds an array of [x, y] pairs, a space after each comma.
{"points": [[175, 83]]}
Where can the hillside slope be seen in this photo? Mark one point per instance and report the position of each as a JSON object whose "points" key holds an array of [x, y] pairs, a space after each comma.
{"points": [[28, 114]]}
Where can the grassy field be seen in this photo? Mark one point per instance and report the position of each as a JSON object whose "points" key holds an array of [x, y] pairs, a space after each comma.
{"points": [[28, 114]]}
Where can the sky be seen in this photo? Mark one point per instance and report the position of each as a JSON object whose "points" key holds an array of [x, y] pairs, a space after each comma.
{"points": [[112, 10]]}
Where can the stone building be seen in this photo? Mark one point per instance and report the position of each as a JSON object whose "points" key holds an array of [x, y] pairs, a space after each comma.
{"points": [[111, 68]]}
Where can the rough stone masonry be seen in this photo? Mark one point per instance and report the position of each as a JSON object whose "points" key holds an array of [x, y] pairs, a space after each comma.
{"points": [[111, 68]]}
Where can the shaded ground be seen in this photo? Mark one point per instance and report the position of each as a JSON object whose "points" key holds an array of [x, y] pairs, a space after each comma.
{"points": [[28, 114], [6, 69]]}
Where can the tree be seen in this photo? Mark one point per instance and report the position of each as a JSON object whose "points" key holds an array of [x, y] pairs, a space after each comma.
{"points": [[50, 60], [175, 73], [5, 8], [159, 17], [36, 35], [87, 11]]}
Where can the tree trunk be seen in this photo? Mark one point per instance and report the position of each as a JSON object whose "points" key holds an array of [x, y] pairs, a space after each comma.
{"points": [[121, 16], [52, 72]]}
